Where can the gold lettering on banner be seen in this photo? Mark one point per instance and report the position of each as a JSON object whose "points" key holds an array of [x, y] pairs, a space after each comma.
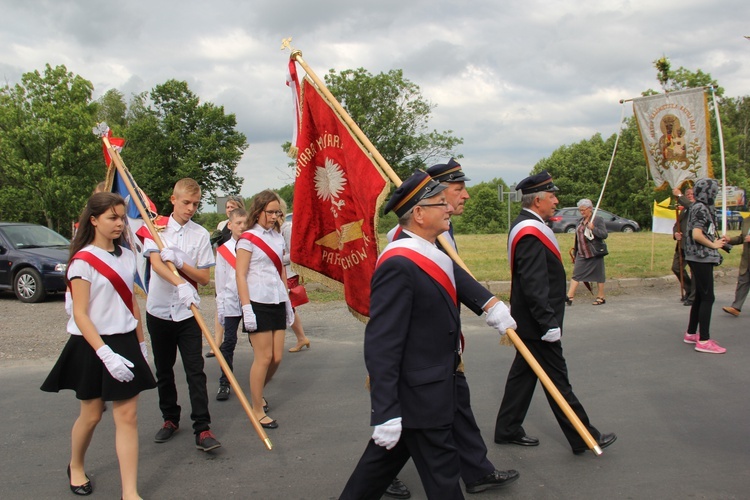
{"points": [[345, 261], [323, 141]]}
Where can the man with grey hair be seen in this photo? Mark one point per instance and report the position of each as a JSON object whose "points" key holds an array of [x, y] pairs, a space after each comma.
{"points": [[537, 298]]}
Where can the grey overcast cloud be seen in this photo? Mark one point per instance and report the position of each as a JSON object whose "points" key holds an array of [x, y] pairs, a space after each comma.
{"points": [[515, 79]]}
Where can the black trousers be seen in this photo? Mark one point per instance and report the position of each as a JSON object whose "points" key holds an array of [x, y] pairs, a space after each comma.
{"points": [[700, 312], [166, 338], [519, 388], [434, 455], [231, 323], [468, 438]]}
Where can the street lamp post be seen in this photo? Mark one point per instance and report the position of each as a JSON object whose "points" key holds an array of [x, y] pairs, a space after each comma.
{"points": [[512, 195]]}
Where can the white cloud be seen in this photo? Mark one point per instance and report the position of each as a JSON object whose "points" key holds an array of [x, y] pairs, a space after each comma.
{"points": [[515, 79]]}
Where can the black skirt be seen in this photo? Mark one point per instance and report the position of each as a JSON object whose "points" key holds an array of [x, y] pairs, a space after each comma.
{"points": [[268, 316], [79, 368]]}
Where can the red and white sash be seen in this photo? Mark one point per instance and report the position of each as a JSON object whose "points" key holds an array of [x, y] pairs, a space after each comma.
{"points": [[428, 258], [122, 289], [534, 228]]}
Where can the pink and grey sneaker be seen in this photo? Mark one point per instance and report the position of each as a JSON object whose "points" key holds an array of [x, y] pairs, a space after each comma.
{"points": [[690, 338], [710, 347]]}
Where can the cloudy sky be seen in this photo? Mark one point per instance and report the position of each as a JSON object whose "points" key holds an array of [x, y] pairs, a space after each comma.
{"points": [[516, 79]]}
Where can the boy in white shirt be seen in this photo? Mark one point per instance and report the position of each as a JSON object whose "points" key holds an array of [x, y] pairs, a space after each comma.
{"points": [[170, 321], [227, 300]]}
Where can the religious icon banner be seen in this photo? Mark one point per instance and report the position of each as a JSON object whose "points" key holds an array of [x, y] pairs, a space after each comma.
{"points": [[676, 136]]}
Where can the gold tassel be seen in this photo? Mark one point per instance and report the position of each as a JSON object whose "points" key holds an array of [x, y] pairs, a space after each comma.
{"points": [[505, 341], [292, 152]]}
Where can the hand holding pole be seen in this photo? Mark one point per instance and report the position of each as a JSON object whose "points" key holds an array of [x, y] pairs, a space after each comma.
{"points": [[122, 169]]}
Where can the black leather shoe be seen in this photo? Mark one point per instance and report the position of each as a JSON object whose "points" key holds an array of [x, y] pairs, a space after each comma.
{"points": [[397, 489], [604, 441], [272, 424], [521, 441], [82, 490], [497, 479]]}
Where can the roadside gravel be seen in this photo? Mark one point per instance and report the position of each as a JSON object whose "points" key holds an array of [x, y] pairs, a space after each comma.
{"points": [[31, 332]]}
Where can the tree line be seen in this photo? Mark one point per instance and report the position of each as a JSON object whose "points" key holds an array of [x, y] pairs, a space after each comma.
{"points": [[50, 161]]}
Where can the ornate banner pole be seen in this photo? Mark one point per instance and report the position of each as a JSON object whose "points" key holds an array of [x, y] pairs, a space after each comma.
{"points": [[296, 55], [125, 174]]}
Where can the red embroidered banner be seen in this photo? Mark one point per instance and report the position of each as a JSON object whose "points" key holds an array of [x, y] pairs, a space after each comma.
{"points": [[337, 193]]}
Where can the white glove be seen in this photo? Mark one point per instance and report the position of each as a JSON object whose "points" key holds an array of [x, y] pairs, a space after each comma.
{"points": [[116, 364], [220, 315], [388, 433], [167, 254], [188, 295], [248, 316], [289, 313], [499, 318], [552, 335], [144, 350]]}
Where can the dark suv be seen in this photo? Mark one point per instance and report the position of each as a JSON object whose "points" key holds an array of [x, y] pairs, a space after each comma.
{"points": [[566, 219], [33, 260]]}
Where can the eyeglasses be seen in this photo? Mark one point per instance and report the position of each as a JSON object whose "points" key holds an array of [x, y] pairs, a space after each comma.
{"points": [[277, 213], [444, 205]]}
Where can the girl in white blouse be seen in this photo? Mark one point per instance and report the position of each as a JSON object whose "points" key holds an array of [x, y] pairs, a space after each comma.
{"points": [[261, 286], [105, 358]]}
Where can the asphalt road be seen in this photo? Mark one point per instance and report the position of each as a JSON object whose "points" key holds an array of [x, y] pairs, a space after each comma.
{"points": [[681, 417]]}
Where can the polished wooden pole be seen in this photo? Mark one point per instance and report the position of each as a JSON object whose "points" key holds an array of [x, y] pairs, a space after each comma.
{"points": [[125, 174], [517, 342]]}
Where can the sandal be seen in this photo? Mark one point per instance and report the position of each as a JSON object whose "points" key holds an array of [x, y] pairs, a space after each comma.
{"points": [[569, 301], [599, 301]]}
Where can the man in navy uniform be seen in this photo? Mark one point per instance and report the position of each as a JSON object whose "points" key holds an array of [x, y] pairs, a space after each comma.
{"points": [[537, 298], [477, 472], [412, 350]]}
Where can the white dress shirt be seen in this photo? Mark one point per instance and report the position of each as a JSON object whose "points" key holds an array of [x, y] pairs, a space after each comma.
{"points": [[225, 278], [263, 280], [106, 309], [195, 242]]}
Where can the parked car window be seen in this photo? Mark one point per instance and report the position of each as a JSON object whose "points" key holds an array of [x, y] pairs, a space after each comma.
{"points": [[31, 236]]}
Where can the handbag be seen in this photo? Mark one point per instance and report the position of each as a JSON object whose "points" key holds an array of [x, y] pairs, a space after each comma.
{"points": [[598, 247], [297, 292]]}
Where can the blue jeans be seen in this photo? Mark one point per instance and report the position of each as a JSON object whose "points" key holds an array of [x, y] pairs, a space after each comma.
{"points": [[231, 323]]}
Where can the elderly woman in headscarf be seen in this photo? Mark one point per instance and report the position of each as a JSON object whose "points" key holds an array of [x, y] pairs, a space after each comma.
{"points": [[702, 246], [589, 266]]}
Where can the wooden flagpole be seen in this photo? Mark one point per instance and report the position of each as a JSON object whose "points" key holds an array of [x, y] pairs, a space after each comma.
{"points": [[517, 342], [124, 173]]}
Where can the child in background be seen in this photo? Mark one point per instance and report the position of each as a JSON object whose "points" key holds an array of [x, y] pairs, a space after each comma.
{"points": [[227, 301]]}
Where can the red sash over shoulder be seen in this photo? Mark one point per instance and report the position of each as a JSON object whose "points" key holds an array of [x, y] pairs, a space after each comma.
{"points": [[425, 263], [258, 242], [105, 270], [534, 228], [228, 256]]}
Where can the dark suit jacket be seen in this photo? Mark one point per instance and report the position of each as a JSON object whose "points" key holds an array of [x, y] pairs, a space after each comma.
{"points": [[411, 347], [537, 294], [740, 240]]}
